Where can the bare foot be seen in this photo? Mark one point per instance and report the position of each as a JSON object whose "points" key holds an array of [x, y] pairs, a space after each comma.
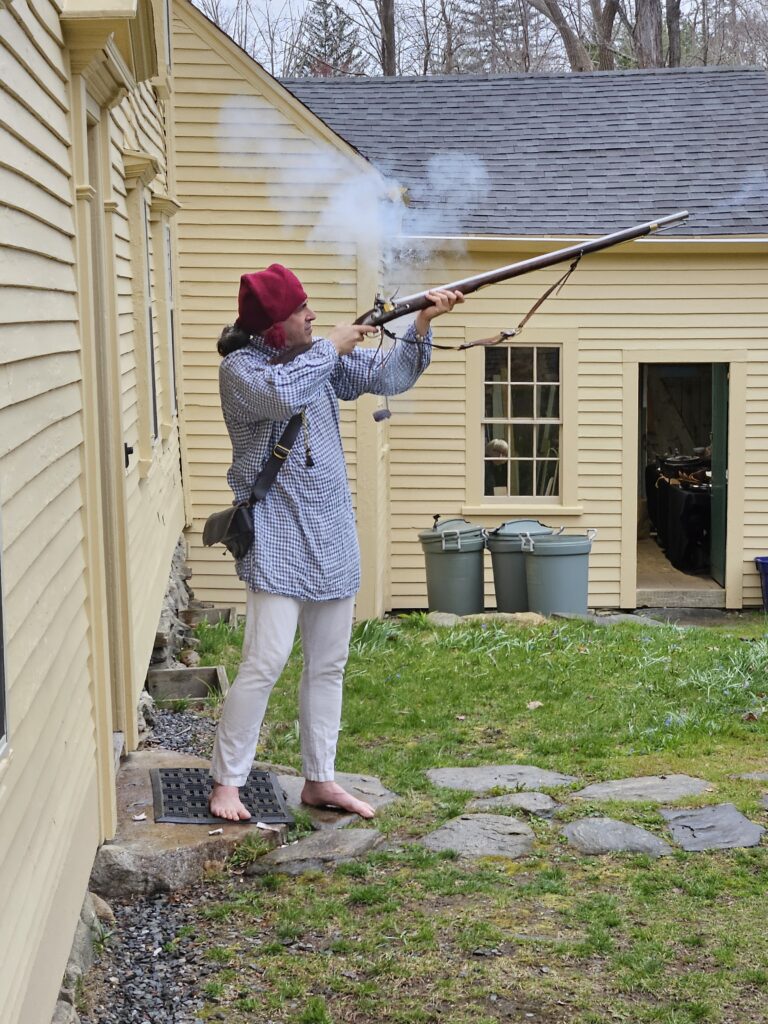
{"points": [[330, 794], [225, 802]]}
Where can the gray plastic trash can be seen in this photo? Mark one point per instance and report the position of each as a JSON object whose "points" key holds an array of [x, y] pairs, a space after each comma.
{"points": [[453, 550], [508, 559], [557, 572]]}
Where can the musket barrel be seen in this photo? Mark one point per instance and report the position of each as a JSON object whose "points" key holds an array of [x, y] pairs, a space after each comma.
{"points": [[413, 303]]}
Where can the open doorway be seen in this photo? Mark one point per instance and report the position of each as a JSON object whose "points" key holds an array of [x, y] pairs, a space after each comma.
{"points": [[682, 483]]}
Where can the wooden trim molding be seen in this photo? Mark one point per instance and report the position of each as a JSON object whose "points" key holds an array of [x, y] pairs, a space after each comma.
{"points": [[163, 206], [97, 58], [140, 168], [128, 23], [163, 86]]}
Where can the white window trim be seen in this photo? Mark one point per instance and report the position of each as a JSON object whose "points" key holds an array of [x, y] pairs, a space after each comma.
{"points": [[140, 169], [505, 506], [162, 209]]}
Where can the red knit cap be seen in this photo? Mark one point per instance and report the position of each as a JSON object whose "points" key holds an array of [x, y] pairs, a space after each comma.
{"points": [[268, 297]]}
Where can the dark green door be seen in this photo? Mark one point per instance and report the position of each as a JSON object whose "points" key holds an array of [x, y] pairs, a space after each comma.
{"points": [[719, 470]]}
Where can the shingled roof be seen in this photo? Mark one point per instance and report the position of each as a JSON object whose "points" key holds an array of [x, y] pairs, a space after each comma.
{"points": [[562, 153]]}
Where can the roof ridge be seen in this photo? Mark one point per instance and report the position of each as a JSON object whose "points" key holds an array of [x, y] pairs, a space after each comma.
{"points": [[714, 69]]}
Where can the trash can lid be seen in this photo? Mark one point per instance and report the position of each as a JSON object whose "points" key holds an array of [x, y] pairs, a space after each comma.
{"points": [[516, 527], [456, 527]]}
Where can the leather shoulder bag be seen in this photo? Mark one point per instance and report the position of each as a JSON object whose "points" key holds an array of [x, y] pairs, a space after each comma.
{"points": [[233, 526]]}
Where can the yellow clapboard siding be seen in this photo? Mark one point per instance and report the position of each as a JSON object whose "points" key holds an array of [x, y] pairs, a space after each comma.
{"points": [[57, 545], [33, 474], [25, 270], [37, 40], [19, 342], [22, 381], [48, 135], [49, 208], [25, 856], [51, 621], [20, 229]]}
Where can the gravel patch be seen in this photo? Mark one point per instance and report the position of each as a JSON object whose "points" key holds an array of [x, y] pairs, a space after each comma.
{"points": [[182, 731], [148, 973], [142, 975]]}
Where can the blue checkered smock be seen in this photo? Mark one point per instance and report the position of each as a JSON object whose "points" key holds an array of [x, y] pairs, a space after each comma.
{"points": [[306, 542]]}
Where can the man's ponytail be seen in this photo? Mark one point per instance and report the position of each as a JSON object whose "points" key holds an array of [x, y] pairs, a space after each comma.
{"points": [[231, 339]]}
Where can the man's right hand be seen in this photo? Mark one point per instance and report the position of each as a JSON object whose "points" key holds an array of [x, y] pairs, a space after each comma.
{"points": [[344, 337]]}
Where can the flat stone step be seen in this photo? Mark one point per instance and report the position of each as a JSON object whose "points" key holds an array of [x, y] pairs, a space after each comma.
{"points": [[498, 776], [650, 788], [482, 835], [595, 836], [364, 787], [540, 804], [720, 827], [317, 851]]}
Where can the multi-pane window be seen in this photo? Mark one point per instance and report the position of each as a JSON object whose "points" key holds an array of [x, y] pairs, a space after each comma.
{"points": [[522, 422]]}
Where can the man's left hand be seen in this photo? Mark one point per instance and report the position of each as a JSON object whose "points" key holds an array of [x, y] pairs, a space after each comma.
{"points": [[442, 301]]}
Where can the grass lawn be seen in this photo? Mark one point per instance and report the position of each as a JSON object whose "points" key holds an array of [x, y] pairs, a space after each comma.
{"points": [[411, 936]]}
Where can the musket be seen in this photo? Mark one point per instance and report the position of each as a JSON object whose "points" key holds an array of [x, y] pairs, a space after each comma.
{"points": [[384, 311]]}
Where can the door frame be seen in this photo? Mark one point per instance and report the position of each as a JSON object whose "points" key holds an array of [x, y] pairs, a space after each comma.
{"points": [[734, 546]]}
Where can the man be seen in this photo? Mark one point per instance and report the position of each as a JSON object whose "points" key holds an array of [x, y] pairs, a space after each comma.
{"points": [[303, 567]]}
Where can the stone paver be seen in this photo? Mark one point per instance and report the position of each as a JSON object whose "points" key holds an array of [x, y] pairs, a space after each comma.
{"points": [[493, 776], [319, 850], [721, 827], [608, 619], [364, 787], [449, 619], [482, 835], [652, 788], [752, 776], [540, 804], [606, 835], [444, 619], [514, 618]]}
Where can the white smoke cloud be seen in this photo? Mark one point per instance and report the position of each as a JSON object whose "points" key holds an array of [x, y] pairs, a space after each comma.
{"points": [[339, 204]]}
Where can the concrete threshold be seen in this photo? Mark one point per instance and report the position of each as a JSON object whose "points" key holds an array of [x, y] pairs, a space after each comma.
{"points": [[677, 598]]}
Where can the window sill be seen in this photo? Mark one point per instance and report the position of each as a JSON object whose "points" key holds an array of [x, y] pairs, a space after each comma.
{"points": [[523, 511]]}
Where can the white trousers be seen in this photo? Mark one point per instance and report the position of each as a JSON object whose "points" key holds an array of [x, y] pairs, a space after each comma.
{"points": [[270, 628]]}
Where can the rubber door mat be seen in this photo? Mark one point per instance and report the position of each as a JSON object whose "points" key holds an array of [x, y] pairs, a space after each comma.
{"points": [[181, 795]]}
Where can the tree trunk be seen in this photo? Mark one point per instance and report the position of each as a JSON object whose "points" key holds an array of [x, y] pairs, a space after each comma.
{"points": [[673, 33], [603, 20], [448, 65], [646, 34], [388, 50], [576, 51]]}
